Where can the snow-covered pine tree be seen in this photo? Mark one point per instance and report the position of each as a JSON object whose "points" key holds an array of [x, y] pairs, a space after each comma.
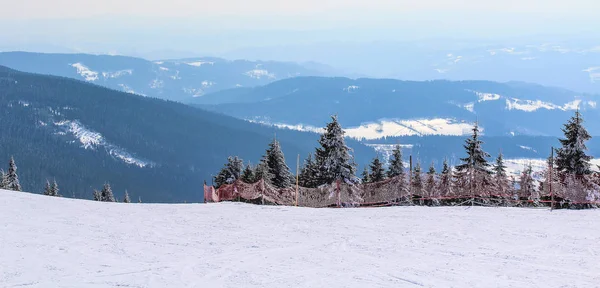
{"points": [[261, 172], [333, 157], [396, 166], [309, 173], [54, 189], [3, 180], [445, 183], [377, 171], [248, 174], [527, 184], [281, 175], [12, 179], [231, 171], [106, 195], [47, 189], [417, 181], [97, 195], [474, 169], [500, 179], [431, 183], [126, 198], [571, 158], [366, 177]]}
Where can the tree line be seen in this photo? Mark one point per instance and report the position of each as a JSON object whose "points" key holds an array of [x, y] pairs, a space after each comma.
{"points": [[568, 171]]}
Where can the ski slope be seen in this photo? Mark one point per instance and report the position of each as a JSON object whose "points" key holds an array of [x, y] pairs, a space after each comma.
{"points": [[56, 242]]}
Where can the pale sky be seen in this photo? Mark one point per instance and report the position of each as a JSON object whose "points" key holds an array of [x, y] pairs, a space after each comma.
{"points": [[43, 9]]}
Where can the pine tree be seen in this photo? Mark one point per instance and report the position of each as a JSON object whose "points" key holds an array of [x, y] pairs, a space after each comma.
{"points": [[333, 157], [377, 171], [309, 173], [526, 183], [445, 183], [417, 181], [48, 189], [396, 166], [473, 172], [126, 199], [571, 157], [3, 179], [248, 174], [500, 179], [97, 195], [231, 171], [54, 189], [430, 184], [106, 195], [366, 177], [261, 172], [552, 184], [281, 176], [12, 179]]}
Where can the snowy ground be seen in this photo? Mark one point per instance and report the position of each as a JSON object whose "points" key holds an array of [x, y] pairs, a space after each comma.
{"points": [[53, 242]]}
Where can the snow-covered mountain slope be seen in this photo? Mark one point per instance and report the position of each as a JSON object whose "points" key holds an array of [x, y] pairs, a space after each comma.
{"points": [[168, 79], [376, 108], [57, 242]]}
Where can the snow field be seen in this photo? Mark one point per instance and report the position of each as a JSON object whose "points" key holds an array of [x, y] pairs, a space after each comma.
{"points": [[57, 242]]}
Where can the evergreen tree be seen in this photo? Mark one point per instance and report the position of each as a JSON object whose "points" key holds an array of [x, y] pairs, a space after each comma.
{"points": [[526, 183], [48, 189], [12, 179], [552, 183], [430, 184], [262, 171], [377, 171], [445, 183], [500, 180], [126, 199], [106, 195], [333, 157], [3, 179], [571, 157], [396, 166], [231, 171], [309, 173], [54, 189], [97, 195], [366, 177], [473, 172], [417, 181], [281, 176], [248, 174]]}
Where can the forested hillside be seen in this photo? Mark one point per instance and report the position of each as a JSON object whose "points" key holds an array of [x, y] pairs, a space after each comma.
{"points": [[84, 135]]}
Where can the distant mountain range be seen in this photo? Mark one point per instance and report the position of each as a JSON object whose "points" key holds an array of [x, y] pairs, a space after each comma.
{"points": [[179, 80], [83, 135], [379, 108]]}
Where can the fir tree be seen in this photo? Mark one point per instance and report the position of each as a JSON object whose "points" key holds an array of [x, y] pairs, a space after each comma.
{"points": [[281, 176], [430, 184], [97, 195], [231, 171], [571, 157], [126, 198], [48, 189], [445, 183], [12, 179], [417, 181], [54, 189], [248, 174], [500, 180], [262, 171], [377, 171], [366, 177], [526, 183], [333, 157], [473, 172], [396, 166], [106, 195], [309, 173], [552, 182], [3, 179]]}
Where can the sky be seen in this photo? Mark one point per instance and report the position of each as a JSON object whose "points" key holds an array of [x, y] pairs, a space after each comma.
{"points": [[218, 27]]}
